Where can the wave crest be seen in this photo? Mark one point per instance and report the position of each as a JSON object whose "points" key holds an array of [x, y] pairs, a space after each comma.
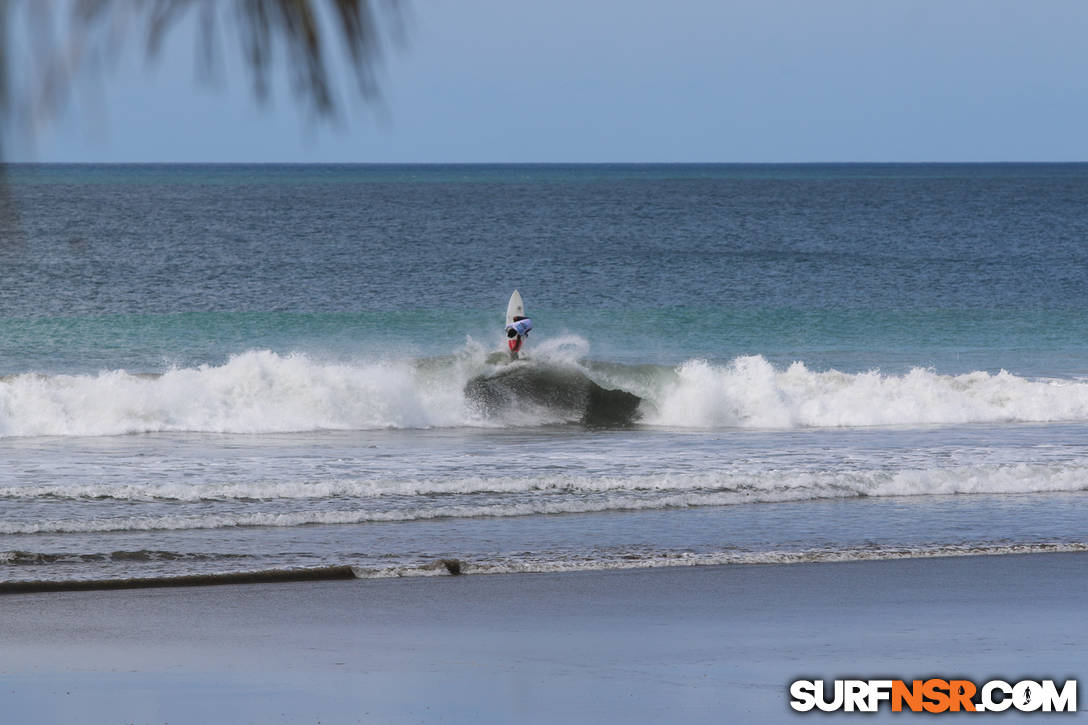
{"points": [[752, 393], [265, 392], [253, 392]]}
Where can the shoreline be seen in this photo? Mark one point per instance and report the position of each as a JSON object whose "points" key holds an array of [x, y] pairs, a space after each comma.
{"points": [[458, 567], [675, 644]]}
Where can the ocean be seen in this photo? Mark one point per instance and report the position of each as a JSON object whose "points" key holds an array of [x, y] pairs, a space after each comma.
{"points": [[221, 369]]}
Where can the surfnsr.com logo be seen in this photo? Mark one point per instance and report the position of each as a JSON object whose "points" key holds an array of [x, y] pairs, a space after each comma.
{"points": [[933, 695]]}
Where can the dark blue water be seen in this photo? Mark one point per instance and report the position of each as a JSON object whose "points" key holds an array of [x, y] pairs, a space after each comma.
{"points": [[861, 265], [140, 239]]}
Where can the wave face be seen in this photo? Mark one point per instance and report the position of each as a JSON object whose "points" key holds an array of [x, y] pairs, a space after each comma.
{"points": [[552, 390], [266, 392]]}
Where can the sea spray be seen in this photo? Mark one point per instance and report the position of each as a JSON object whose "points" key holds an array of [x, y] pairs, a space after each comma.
{"points": [[266, 392], [253, 392], [751, 393]]}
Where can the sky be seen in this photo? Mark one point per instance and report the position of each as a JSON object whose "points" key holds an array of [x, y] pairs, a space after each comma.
{"points": [[627, 81]]}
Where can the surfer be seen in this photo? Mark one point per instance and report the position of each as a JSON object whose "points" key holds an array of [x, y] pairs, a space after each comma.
{"points": [[516, 331], [520, 326]]}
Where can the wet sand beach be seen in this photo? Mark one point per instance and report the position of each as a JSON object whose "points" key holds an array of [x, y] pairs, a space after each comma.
{"points": [[685, 644]]}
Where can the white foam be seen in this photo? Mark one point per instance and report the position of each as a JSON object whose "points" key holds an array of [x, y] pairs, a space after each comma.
{"points": [[539, 565], [751, 393], [719, 487], [561, 494], [559, 350], [265, 392], [357, 516], [254, 392]]}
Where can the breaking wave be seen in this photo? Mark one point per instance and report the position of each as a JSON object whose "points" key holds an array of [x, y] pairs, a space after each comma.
{"points": [[266, 392], [750, 392]]}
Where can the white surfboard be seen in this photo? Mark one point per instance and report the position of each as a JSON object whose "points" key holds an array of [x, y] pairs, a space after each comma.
{"points": [[515, 308]]}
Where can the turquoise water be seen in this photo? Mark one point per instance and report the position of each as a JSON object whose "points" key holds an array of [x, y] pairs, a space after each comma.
{"points": [[1028, 342], [224, 368]]}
